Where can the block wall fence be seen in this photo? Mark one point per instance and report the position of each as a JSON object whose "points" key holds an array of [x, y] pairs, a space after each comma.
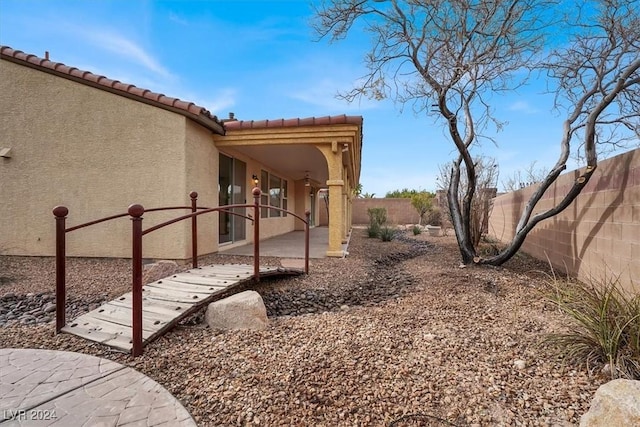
{"points": [[599, 231], [399, 210]]}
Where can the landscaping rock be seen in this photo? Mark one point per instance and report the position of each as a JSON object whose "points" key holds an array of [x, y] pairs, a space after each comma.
{"points": [[616, 403], [245, 310], [159, 270]]}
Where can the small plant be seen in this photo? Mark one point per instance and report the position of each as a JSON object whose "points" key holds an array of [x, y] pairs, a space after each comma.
{"points": [[373, 230], [386, 234], [605, 325], [377, 216], [422, 202], [416, 230], [434, 217]]}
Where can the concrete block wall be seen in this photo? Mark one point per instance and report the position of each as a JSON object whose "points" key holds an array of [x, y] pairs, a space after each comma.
{"points": [[598, 232], [399, 211]]}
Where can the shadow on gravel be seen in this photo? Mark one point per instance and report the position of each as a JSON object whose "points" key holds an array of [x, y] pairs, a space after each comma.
{"points": [[387, 279]]}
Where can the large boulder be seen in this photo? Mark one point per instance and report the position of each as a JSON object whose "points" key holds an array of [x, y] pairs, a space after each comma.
{"points": [[159, 270], [245, 310], [616, 403]]}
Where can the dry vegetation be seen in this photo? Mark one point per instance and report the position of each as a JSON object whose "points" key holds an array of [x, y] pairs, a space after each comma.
{"points": [[393, 335]]}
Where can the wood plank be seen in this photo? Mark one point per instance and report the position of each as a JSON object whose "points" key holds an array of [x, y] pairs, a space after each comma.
{"points": [[241, 269], [218, 275], [156, 306], [179, 293], [103, 332], [89, 322], [123, 316], [149, 296], [196, 280], [89, 333], [177, 296], [224, 267], [153, 305], [191, 287]]}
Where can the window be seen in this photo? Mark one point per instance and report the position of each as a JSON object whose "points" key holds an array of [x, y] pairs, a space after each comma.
{"points": [[274, 193], [264, 197]]}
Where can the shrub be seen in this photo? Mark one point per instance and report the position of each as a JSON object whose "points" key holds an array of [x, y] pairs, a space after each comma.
{"points": [[377, 216], [605, 325], [416, 230], [373, 230], [386, 234], [434, 217], [422, 202]]}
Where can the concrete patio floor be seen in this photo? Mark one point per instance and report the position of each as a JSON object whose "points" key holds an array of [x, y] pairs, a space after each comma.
{"points": [[289, 245]]}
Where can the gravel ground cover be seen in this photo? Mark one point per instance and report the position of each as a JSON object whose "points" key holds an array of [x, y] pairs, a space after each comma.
{"points": [[396, 334]]}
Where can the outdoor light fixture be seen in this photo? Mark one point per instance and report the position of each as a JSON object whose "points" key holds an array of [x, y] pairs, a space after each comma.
{"points": [[307, 182], [345, 148], [5, 152], [255, 179]]}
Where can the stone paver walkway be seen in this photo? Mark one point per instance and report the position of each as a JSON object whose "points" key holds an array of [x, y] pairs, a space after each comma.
{"points": [[60, 388]]}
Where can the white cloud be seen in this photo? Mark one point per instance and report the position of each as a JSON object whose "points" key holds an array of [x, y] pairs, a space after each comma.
{"points": [[177, 19], [524, 107], [219, 104], [323, 93], [124, 47]]}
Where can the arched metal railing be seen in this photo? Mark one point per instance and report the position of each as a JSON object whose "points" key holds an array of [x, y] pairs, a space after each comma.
{"points": [[135, 213]]}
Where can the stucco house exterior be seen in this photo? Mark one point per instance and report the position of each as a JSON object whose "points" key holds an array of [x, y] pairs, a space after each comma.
{"points": [[70, 137]]}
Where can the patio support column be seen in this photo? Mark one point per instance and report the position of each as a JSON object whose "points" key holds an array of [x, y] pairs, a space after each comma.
{"points": [[333, 153], [345, 209], [336, 218]]}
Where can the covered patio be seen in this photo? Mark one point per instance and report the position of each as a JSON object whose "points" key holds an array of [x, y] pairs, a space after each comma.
{"points": [[316, 154], [289, 245]]}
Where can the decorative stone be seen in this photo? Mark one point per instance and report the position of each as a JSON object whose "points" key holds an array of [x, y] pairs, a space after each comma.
{"points": [[616, 403], [245, 310], [159, 270], [519, 364]]}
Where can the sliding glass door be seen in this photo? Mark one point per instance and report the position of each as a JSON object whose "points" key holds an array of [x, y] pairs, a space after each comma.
{"points": [[232, 190]]}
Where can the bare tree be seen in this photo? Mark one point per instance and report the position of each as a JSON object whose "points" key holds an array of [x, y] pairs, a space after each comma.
{"points": [[523, 178], [486, 180], [452, 55]]}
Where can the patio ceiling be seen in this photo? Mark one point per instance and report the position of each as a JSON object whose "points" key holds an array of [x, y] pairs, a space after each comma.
{"points": [[291, 160]]}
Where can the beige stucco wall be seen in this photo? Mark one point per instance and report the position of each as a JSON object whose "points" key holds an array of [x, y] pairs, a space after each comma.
{"points": [[202, 160], [94, 152], [599, 231]]}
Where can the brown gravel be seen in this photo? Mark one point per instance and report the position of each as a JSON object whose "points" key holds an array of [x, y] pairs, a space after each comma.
{"points": [[445, 347]]}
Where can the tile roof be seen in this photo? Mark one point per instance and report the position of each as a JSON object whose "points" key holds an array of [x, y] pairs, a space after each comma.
{"points": [[281, 123], [188, 109]]}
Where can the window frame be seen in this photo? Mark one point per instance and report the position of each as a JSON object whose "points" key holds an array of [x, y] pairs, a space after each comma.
{"points": [[268, 182]]}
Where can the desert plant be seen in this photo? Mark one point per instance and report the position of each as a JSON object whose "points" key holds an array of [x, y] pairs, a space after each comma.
{"points": [[605, 325], [422, 202], [416, 230], [377, 216], [434, 217], [386, 234], [373, 230]]}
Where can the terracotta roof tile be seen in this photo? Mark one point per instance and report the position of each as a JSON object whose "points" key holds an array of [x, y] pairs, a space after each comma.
{"points": [[295, 122], [188, 109]]}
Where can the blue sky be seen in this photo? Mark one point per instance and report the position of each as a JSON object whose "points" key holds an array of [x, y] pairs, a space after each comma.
{"points": [[261, 60]]}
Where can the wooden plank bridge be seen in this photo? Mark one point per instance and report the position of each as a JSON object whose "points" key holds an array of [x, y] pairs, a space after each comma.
{"points": [[147, 312], [165, 302]]}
